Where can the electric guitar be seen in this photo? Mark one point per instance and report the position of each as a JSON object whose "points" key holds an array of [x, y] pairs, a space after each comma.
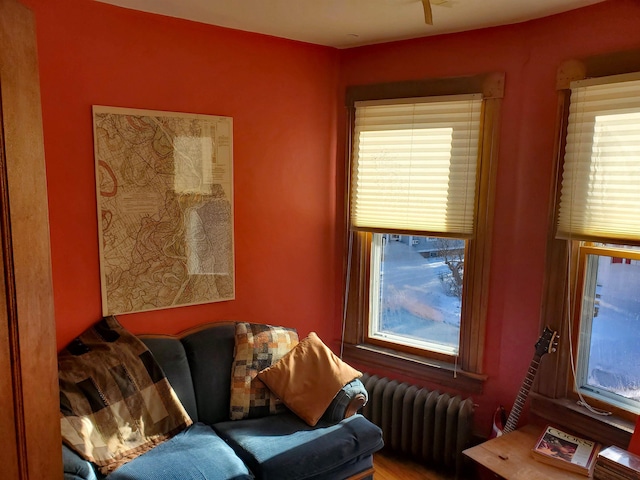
{"points": [[548, 342]]}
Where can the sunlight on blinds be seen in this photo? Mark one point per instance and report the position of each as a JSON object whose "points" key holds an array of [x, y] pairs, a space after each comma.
{"points": [[600, 196], [193, 164], [414, 165]]}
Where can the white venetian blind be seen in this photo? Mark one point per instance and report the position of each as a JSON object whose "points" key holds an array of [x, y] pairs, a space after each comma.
{"points": [[414, 165], [600, 197]]}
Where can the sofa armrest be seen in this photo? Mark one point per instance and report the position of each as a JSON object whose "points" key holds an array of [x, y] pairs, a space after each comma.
{"points": [[351, 398], [75, 467]]}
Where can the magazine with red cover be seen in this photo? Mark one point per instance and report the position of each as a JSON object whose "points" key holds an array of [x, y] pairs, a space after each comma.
{"points": [[564, 450]]}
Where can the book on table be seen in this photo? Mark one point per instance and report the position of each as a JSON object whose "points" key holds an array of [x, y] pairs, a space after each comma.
{"points": [[565, 450], [614, 463]]}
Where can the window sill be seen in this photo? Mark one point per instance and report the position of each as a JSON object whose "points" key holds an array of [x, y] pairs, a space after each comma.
{"points": [[564, 412], [415, 367]]}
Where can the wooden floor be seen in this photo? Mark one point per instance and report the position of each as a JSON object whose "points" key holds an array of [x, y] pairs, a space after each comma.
{"points": [[389, 466]]}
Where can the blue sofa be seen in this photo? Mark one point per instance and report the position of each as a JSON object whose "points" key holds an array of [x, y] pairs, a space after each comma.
{"points": [[275, 447]]}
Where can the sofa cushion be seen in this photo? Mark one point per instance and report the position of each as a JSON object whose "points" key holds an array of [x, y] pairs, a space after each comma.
{"points": [[76, 467], [308, 377], [257, 346], [170, 355], [283, 447], [209, 351], [194, 454]]}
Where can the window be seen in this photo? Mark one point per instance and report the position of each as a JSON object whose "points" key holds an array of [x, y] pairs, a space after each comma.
{"points": [[598, 215], [593, 252], [421, 173], [416, 292], [608, 366], [414, 170]]}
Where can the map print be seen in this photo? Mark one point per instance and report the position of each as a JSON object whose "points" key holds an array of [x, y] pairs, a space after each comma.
{"points": [[165, 208]]}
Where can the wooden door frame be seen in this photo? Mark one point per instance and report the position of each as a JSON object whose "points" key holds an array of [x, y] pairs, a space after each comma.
{"points": [[29, 398]]}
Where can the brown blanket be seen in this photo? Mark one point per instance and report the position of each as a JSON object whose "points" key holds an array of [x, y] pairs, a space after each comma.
{"points": [[115, 401]]}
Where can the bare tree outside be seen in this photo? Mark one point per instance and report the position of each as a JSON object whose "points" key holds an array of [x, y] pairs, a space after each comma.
{"points": [[452, 253]]}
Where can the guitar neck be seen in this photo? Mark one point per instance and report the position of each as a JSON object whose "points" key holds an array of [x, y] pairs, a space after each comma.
{"points": [[514, 415]]}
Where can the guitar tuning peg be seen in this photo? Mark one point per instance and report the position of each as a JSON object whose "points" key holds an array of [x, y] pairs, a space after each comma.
{"points": [[554, 350]]}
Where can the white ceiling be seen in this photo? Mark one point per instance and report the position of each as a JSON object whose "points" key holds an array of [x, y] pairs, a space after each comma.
{"points": [[349, 23]]}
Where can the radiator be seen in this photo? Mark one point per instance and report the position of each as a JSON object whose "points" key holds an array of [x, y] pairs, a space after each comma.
{"points": [[427, 425]]}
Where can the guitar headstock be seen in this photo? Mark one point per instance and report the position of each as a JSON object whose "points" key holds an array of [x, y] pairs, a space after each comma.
{"points": [[548, 342]]}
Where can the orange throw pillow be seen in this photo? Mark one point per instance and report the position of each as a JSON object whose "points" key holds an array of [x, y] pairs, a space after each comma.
{"points": [[307, 378]]}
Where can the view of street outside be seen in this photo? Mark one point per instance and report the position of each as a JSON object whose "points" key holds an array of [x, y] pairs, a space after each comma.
{"points": [[415, 299], [614, 359], [415, 302]]}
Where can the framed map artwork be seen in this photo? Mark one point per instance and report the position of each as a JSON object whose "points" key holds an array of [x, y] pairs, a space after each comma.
{"points": [[165, 208]]}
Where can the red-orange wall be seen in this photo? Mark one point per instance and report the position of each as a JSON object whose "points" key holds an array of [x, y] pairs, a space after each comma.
{"points": [[281, 95], [288, 155], [529, 54]]}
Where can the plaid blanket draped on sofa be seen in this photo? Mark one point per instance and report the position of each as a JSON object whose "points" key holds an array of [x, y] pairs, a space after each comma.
{"points": [[115, 401]]}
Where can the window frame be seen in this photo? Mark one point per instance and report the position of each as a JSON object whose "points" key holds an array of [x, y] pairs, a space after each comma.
{"points": [[552, 397], [439, 356], [464, 371], [587, 248]]}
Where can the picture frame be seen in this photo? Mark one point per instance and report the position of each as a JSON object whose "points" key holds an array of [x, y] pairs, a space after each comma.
{"points": [[164, 185]]}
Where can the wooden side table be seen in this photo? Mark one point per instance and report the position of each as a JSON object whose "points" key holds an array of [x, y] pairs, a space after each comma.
{"points": [[509, 457]]}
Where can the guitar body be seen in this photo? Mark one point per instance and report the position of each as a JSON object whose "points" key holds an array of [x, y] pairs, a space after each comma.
{"points": [[499, 421], [547, 342]]}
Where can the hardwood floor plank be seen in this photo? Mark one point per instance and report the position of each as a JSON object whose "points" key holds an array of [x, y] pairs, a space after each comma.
{"points": [[391, 466]]}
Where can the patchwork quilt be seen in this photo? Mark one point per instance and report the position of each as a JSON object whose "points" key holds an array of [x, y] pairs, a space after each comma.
{"points": [[115, 401]]}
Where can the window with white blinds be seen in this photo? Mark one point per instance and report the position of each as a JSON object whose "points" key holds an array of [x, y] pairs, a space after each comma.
{"points": [[415, 165], [600, 198]]}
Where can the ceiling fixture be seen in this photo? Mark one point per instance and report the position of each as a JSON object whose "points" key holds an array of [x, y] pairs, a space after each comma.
{"points": [[427, 4], [428, 17]]}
